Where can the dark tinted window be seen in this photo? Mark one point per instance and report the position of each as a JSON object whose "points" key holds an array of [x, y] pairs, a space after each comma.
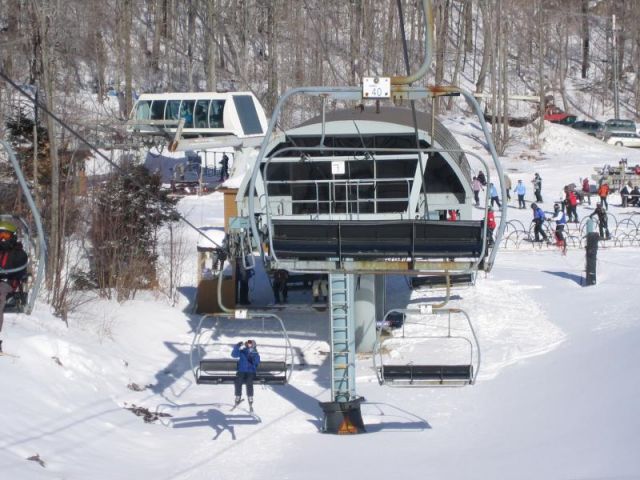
{"points": [[186, 112], [157, 109], [173, 109], [216, 111], [200, 114], [247, 114]]}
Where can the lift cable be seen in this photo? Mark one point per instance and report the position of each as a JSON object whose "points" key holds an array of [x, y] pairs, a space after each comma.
{"points": [[93, 148]]}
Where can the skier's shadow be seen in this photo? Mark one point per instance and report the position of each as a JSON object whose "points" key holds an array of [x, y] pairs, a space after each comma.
{"points": [[219, 421]]}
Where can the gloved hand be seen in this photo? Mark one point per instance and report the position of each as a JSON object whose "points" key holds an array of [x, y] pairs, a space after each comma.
{"points": [[239, 344]]}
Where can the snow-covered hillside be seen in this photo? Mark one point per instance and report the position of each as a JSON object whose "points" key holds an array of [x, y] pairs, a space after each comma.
{"points": [[555, 397]]}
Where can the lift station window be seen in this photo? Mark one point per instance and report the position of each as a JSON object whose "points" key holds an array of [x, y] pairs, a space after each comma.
{"points": [[173, 110], [216, 110], [157, 109], [186, 112], [247, 114], [142, 111], [200, 114]]}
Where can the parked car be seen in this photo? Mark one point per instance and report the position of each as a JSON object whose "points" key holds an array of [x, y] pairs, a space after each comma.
{"points": [[623, 139], [556, 115], [617, 125], [590, 128]]}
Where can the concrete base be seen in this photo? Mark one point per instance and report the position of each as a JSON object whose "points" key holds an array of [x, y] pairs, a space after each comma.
{"points": [[342, 418]]}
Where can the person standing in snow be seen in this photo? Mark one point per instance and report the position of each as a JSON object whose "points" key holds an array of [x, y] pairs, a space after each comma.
{"points": [[248, 361], [603, 224], [537, 187], [507, 186], [586, 189], [476, 186], [493, 192], [520, 190], [561, 220], [538, 220], [603, 193], [482, 178], [224, 167], [491, 226], [13, 265], [571, 202]]}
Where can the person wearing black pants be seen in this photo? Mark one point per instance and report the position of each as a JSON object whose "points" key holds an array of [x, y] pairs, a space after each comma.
{"points": [[603, 224], [248, 361]]}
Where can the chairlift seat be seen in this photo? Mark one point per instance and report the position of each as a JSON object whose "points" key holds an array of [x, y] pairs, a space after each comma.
{"points": [[222, 371], [427, 374], [440, 281], [380, 239]]}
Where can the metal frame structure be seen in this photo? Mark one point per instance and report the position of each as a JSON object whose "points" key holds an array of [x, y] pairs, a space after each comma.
{"points": [[427, 375], [40, 245], [434, 255], [223, 370]]}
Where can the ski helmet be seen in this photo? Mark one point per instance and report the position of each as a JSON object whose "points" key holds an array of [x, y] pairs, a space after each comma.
{"points": [[8, 234]]}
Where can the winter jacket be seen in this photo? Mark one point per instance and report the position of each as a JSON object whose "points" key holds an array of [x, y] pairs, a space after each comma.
{"points": [[491, 220], [493, 191], [482, 178], [537, 183], [603, 191], [248, 358], [573, 200], [11, 259], [520, 189], [507, 182], [585, 186], [538, 215], [560, 218], [601, 213], [476, 185]]}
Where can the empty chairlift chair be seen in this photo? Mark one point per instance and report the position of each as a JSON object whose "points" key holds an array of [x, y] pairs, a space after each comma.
{"points": [[434, 347]]}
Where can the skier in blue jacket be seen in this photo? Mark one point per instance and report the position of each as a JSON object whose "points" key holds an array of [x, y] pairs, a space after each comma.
{"points": [[248, 361], [538, 219]]}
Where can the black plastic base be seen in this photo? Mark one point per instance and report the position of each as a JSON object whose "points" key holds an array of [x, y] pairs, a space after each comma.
{"points": [[342, 418]]}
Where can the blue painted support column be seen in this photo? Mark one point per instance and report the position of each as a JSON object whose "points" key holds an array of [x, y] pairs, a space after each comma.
{"points": [[342, 415]]}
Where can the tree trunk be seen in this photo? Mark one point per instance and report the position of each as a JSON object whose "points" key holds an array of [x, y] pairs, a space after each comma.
{"points": [[585, 37], [486, 51], [127, 20], [272, 59], [211, 47]]}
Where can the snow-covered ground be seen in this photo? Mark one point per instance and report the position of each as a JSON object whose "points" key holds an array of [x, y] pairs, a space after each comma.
{"points": [[556, 395]]}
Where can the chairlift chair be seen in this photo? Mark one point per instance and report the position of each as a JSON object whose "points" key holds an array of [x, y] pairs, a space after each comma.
{"points": [[210, 357], [416, 373], [17, 299], [24, 296]]}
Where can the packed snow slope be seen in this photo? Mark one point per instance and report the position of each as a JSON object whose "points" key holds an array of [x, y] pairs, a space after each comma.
{"points": [[556, 395]]}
